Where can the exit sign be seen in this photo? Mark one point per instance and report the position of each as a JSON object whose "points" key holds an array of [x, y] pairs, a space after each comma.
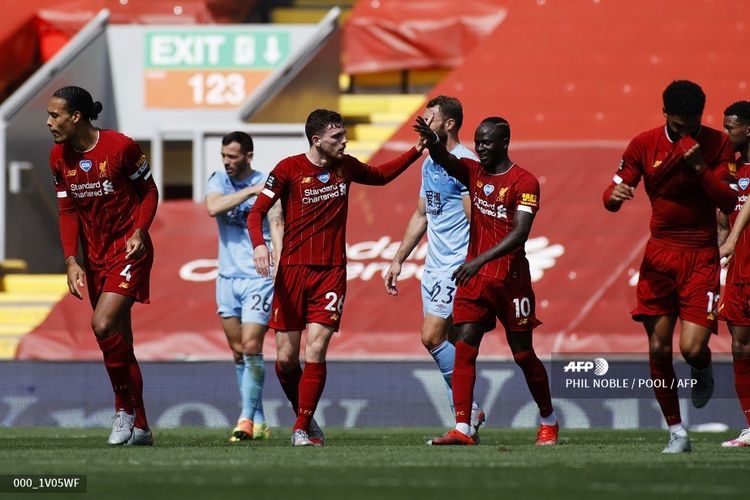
{"points": [[208, 69]]}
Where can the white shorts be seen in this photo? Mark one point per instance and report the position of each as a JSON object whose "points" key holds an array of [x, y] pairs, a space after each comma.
{"points": [[438, 293], [246, 298]]}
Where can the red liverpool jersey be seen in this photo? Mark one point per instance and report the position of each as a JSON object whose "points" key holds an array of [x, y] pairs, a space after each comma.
{"points": [[739, 266], [315, 203], [683, 202], [104, 194], [495, 198]]}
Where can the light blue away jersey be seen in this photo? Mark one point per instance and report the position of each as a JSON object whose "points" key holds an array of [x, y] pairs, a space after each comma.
{"points": [[447, 226], [235, 249]]}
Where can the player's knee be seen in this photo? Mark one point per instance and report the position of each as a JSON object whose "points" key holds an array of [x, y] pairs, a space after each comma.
{"points": [[103, 326], [252, 346], [659, 349], [432, 337], [740, 348], [473, 338], [693, 353], [315, 350], [287, 359]]}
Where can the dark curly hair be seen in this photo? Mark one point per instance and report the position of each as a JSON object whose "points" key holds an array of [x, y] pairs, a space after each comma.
{"points": [[684, 98]]}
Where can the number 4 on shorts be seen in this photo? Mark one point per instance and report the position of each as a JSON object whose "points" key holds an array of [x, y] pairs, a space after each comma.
{"points": [[126, 272]]}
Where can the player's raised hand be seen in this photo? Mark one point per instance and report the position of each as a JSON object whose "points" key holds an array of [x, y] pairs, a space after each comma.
{"points": [[262, 260], [694, 157], [422, 127], [391, 277], [75, 278], [135, 247], [466, 271]]}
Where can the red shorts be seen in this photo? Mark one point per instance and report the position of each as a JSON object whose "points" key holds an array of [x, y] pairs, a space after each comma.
{"points": [[484, 299], [126, 277], [679, 281], [307, 294], [735, 304]]}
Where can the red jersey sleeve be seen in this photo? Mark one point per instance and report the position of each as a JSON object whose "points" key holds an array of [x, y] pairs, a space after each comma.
{"points": [[385, 173], [137, 169], [629, 171], [68, 221], [276, 183], [527, 194]]}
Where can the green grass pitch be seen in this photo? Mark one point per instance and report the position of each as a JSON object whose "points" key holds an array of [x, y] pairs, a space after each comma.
{"points": [[383, 463]]}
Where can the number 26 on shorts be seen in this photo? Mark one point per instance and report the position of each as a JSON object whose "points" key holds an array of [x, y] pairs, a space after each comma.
{"points": [[336, 304]]}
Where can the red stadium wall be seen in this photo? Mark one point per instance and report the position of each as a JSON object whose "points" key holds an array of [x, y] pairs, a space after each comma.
{"points": [[576, 79]]}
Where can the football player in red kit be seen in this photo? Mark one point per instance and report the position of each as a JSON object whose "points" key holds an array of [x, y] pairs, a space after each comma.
{"points": [[735, 252], [107, 200], [687, 169], [494, 283], [311, 277]]}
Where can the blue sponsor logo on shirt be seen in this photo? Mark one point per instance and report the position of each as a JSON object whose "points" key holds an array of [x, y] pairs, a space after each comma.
{"points": [[324, 177], [488, 189], [744, 182], [85, 165]]}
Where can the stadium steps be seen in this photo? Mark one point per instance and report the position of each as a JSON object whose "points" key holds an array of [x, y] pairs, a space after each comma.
{"points": [[25, 301], [310, 11], [373, 118]]}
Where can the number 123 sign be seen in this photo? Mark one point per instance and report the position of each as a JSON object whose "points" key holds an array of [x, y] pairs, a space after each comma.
{"points": [[209, 69]]}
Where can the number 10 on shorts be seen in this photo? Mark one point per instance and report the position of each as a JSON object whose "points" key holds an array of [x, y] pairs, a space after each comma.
{"points": [[523, 307]]}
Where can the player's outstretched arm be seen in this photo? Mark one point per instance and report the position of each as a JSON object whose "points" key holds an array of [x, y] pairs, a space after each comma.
{"points": [[414, 231], [385, 173], [515, 239]]}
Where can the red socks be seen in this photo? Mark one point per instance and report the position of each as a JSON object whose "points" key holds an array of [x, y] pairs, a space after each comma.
{"points": [[117, 353], [662, 369], [310, 388], [136, 392], [536, 379], [125, 375], [742, 385], [464, 377], [290, 384]]}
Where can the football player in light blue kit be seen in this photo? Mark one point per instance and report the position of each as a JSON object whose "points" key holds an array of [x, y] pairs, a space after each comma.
{"points": [[242, 295], [443, 212]]}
